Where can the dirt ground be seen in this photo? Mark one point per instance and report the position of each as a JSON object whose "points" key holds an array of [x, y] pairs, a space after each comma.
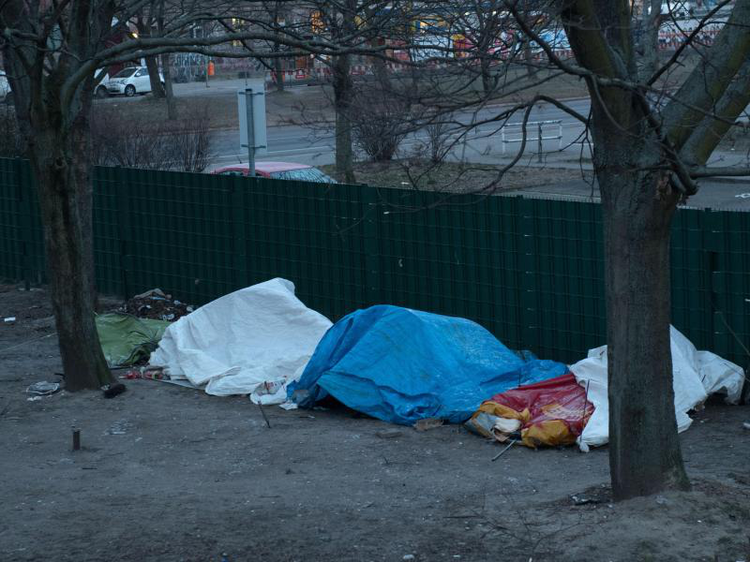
{"points": [[172, 474], [455, 177]]}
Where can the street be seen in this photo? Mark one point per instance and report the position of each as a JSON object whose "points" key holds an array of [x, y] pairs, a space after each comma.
{"points": [[301, 144]]}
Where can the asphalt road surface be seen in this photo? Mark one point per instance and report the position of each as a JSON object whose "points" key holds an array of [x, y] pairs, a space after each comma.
{"points": [[300, 144]]}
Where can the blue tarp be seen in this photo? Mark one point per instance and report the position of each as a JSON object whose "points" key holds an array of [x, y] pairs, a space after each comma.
{"points": [[402, 365]]}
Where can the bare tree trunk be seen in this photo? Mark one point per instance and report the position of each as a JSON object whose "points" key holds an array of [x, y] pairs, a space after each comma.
{"points": [[144, 29], [380, 69], [168, 89], [488, 82], [638, 207], [278, 70], [529, 58], [61, 174], [342, 95], [153, 77]]}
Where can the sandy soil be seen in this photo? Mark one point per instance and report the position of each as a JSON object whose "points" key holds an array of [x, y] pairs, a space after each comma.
{"points": [[172, 474]]}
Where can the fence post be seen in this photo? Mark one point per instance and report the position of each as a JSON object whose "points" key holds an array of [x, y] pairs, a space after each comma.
{"points": [[123, 221], [529, 282], [371, 217], [238, 199], [540, 142], [713, 244], [24, 188]]}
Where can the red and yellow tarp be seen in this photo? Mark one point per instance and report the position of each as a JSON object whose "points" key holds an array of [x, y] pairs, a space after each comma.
{"points": [[553, 412]]}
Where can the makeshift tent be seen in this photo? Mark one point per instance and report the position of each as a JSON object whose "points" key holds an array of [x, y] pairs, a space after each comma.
{"points": [[125, 339], [696, 374], [402, 365], [552, 412], [252, 340]]}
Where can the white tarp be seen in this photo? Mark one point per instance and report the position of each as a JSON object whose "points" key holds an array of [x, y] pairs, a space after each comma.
{"points": [[696, 375], [252, 341]]}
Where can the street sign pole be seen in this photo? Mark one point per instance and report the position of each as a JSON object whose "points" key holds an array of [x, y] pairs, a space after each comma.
{"points": [[251, 104], [250, 132]]}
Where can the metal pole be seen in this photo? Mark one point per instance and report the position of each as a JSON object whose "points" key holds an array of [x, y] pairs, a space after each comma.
{"points": [[250, 133], [540, 143]]}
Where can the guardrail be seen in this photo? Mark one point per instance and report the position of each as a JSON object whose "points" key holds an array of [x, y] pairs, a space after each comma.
{"points": [[540, 138]]}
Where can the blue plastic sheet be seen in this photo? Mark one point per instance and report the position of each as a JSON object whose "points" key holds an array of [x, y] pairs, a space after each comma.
{"points": [[402, 365]]}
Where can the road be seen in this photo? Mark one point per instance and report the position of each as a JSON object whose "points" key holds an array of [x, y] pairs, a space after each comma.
{"points": [[300, 144]]}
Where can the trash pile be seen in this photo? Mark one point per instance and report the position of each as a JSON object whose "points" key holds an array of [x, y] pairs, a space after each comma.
{"points": [[156, 305], [399, 365]]}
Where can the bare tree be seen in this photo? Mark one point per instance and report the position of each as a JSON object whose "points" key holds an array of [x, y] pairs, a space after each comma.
{"points": [[380, 120], [51, 53], [646, 162], [647, 158]]}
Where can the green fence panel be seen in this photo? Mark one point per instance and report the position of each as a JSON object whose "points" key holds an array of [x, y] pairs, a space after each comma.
{"points": [[563, 277], [529, 270], [178, 233], [728, 282], [690, 273], [312, 234], [457, 256], [11, 231]]}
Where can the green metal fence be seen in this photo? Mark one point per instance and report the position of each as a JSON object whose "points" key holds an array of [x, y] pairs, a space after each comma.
{"points": [[529, 270]]}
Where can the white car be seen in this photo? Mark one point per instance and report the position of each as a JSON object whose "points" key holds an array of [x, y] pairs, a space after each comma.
{"points": [[130, 81]]}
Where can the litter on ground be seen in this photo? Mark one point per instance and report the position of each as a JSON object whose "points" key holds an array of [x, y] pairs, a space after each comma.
{"points": [[43, 388], [156, 305]]}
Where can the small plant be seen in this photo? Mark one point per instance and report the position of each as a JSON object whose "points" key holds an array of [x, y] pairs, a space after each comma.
{"points": [[380, 121], [165, 145]]}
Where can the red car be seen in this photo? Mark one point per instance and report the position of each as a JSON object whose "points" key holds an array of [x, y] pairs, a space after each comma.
{"points": [[278, 171]]}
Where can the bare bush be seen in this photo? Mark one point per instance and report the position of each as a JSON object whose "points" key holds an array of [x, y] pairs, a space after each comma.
{"points": [[379, 122], [191, 143], [439, 140], [120, 140], [164, 145]]}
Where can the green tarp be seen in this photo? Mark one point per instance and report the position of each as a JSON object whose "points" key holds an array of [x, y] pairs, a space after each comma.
{"points": [[126, 339]]}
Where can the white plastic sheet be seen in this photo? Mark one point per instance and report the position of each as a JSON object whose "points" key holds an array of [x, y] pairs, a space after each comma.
{"points": [[696, 374], [253, 341]]}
